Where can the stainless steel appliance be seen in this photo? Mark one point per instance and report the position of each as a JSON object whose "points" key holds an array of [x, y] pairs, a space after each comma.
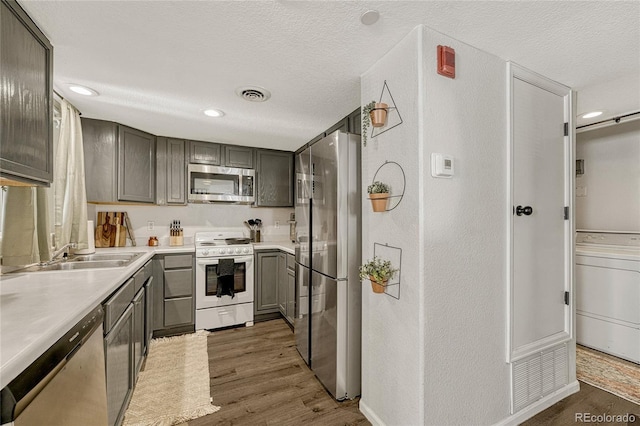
{"points": [[215, 183], [66, 385], [328, 252], [216, 307]]}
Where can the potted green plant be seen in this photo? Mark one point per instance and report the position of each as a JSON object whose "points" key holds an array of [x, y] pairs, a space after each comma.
{"points": [[379, 272], [379, 195], [373, 114]]}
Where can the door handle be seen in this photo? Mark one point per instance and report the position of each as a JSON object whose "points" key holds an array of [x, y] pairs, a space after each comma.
{"points": [[526, 210]]}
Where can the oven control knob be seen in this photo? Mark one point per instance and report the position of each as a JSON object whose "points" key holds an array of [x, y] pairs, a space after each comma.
{"points": [[205, 252], [229, 251], [238, 250], [245, 250]]}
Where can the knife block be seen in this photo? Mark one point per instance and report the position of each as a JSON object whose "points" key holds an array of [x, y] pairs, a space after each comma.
{"points": [[177, 240]]}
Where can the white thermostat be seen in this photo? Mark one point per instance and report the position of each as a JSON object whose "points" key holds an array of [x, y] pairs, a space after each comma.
{"points": [[441, 165]]}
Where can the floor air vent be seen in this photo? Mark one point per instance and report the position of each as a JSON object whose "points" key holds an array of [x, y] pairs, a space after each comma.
{"points": [[538, 375]]}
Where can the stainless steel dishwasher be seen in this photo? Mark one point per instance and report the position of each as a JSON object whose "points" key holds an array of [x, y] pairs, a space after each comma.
{"points": [[66, 385]]}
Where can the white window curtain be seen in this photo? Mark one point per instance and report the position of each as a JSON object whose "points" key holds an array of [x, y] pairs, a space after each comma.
{"points": [[70, 195], [26, 226]]}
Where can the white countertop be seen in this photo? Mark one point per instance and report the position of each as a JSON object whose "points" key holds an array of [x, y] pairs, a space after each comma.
{"points": [[38, 308], [612, 252], [286, 246]]}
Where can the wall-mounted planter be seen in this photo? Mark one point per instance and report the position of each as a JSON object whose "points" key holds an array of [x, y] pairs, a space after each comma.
{"points": [[378, 114], [379, 201], [376, 286]]}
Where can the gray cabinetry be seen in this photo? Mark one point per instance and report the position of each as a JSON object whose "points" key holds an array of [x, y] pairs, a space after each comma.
{"points": [[119, 161], [275, 284], [274, 173], [136, 165], [266, 292], [238, 156], [282, 283], [118, 345], [355, 122], [26, 99], [204, 153], [342, 125], [138, 332], [290, 308], [170, 171], [174, 303]]}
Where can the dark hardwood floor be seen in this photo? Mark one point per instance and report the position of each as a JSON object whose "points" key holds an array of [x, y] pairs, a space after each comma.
{"points": [[258, 378], [589, 400]]}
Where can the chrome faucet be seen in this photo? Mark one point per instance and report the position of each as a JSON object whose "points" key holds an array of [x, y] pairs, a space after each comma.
{"points": [[62, 250]]}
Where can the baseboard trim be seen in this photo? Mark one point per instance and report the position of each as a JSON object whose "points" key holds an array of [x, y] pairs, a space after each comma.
{"points": [[541, 405], [369, 414]]}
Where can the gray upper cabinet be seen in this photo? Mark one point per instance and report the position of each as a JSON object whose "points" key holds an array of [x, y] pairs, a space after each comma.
{"points": [[204, 153], [120, 162], [342, 125], [26, 100], [171, 171], [238, 156], [274, 173], [355, 122], [136, 165], [100, 141]]}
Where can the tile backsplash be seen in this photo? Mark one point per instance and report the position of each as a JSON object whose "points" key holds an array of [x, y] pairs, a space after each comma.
{"points": [[198, 217]]}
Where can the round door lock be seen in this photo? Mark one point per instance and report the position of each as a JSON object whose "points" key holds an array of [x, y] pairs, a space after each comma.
{"points": [[527, 210]]}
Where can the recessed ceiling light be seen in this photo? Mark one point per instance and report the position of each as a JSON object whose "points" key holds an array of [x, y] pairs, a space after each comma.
{"points": [[592, 114], [370, 17], [83, 90], [213, 112]]}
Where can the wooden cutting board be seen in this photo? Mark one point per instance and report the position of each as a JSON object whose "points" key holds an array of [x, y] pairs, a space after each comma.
{"points": [[110, 231]]}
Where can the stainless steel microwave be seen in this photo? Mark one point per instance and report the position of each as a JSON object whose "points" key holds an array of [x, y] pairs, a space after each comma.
{"points": [[215, 183]]}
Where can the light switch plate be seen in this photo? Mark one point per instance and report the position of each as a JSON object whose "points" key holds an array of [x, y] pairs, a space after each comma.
{"points": [[442, 165]]}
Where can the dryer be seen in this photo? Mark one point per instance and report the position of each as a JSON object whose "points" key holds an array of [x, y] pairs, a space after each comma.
{"points": [[608, 292]]}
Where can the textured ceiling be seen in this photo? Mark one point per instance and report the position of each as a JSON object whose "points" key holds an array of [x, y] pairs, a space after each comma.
{"points": [[158, 64]]}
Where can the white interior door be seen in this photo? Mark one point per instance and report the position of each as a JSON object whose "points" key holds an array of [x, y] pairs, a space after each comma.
{"points": [[540, 237]]}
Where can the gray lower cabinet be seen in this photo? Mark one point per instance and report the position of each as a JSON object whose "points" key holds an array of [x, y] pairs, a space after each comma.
{"points": [[274, 174], [174, 302], [118, 344], [149, 289], [204, 153], [275, 284], [138, 332], [26, 99], [125, 342], [266, 281], [120, 162], [290, 308], [171, 171]]}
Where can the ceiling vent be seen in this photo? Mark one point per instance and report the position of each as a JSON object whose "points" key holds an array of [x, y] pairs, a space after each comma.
{"points": [[253, 93]]}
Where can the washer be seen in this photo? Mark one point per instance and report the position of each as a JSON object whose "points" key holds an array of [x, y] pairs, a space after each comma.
{"points": [[608, 292]]}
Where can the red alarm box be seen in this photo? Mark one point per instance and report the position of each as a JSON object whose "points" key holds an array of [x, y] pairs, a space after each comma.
{"points": [[447, 61]]}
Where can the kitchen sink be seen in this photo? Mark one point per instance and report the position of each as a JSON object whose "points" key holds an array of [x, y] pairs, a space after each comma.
{"points": [[96, 257], [90, 261]]}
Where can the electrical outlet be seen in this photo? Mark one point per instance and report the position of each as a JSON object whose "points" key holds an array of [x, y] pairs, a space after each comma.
{"points": [[277, 224], [150, 225]]}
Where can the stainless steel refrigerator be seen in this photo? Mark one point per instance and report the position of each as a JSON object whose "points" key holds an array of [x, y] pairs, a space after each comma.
{"points": [[328, 253]]}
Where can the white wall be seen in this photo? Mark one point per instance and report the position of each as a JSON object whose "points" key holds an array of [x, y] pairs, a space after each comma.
{"points": [[392, 330], [465, 238], [437, 356], [198, 217], [611, 178]]}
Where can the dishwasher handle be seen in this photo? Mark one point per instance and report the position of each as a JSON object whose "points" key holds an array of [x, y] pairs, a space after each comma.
{"points": [[23, 389]]}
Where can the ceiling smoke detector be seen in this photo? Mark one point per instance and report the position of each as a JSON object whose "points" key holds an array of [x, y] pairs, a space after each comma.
{"points": [[253, 93]]}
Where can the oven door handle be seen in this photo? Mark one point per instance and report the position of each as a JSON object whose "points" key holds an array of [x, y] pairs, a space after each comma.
{"points": [[214, 261]]}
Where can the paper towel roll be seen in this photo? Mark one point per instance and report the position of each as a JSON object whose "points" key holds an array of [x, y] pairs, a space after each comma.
{"points": [[91, 239]]}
